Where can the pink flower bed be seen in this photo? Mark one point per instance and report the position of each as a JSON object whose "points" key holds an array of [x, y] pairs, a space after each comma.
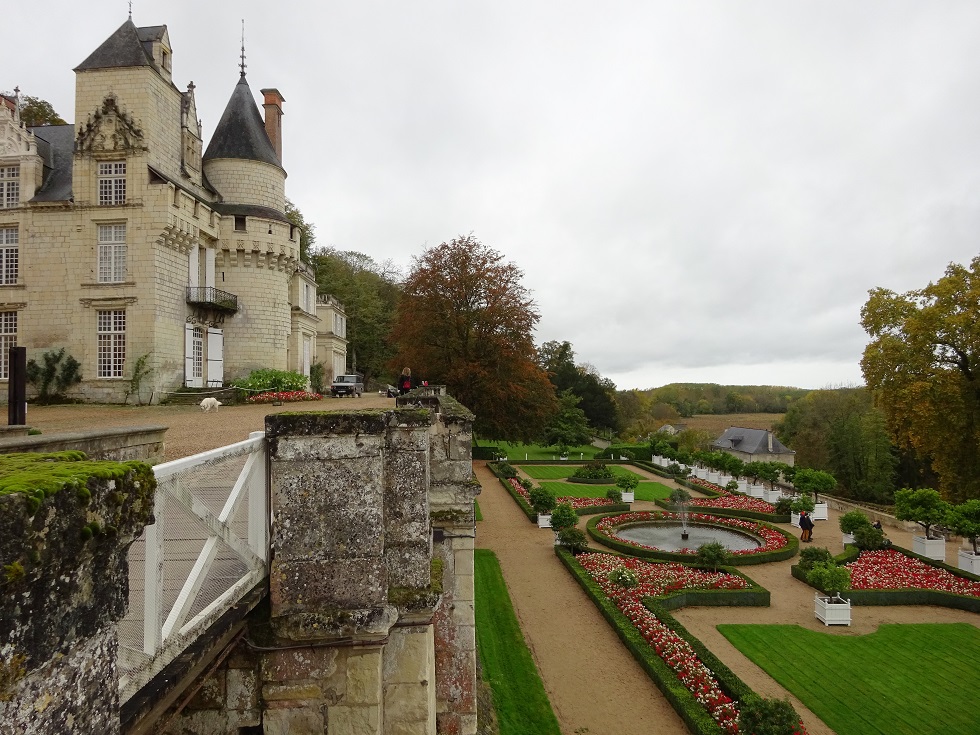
{"points": [[888, 569], [771, 539], [735, 501], [289, 396], [574, 502], [658, 579]]}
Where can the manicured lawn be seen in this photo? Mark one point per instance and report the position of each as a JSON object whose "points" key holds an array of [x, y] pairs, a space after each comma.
{"points": [[557, 472], [477, 513], [536, 451], [900, 680], [644, 491], [518, 694]]}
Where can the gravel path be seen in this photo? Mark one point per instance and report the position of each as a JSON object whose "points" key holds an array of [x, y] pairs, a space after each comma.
{"points": [[595, 686]]}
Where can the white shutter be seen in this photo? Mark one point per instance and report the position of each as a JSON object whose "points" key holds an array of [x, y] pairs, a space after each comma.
{"points": [[193, 268], [306, 356], [189, 355], [216, 358], [209, 267]]}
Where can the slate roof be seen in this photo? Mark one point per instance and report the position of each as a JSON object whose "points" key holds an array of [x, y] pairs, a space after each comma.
{"points": [[123, 48], [56, 145], [750, 441], [241, 131]]}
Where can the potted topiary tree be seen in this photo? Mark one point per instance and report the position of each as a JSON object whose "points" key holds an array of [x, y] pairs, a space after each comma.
{"points": [[543, 503], [574, 539], [850, 522], [926, 508], [808, 480], [830, 608], [627, 485], [563, 517], [964, 520]]}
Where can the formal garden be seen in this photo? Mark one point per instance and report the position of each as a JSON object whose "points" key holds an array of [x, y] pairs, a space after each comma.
{"points": [[637, 583]]}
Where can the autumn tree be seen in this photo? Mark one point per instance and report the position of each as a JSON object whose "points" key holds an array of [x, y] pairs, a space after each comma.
{"points": [[923, 364], [35, 111], [465, 320]]}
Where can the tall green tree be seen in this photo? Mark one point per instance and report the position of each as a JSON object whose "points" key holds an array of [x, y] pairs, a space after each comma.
{"points": [[307, 230], [597, 394], [369, 292], [923, 364], [466, 320], [569, 427]]}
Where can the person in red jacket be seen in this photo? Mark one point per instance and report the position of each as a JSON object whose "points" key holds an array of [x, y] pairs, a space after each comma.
{"points": [[405, 381]]}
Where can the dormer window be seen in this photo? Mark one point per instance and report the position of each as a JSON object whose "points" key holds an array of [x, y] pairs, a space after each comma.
{"points": [[9, 186], [112, 183], [165, 58]]}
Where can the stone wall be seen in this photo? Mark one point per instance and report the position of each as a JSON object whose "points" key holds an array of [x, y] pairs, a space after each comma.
{"points": [[369, 627], [144, 443], [63, 547]]}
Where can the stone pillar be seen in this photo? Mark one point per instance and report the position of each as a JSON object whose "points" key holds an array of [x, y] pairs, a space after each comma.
{"points": [[63, 555]]}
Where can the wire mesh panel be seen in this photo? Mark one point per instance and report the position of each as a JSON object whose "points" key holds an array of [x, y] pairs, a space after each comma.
{"points": [[207, 548]]}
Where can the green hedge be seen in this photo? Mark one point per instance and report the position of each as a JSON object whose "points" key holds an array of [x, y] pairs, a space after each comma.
{"points": [[592, 480], [694, 714], [751, 515], [488, 453], [611, 508], [521, 502], [865, 598], [765, 557], [640, 451]]}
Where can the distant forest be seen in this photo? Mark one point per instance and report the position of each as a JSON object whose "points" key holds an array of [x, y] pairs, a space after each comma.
{"points": [[688, 399]]}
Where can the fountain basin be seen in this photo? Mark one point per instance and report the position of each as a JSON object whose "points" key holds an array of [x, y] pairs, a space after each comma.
{"points": [[667, 536]]}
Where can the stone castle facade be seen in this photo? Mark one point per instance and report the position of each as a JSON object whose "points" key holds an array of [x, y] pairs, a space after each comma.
{"points": [[122, 236]]}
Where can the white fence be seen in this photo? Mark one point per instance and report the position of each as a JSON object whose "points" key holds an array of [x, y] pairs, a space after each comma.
{"points": [[206, 550]]}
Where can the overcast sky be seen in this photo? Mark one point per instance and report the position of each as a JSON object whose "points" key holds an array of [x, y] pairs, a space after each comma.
{"points": [[696, 191]]}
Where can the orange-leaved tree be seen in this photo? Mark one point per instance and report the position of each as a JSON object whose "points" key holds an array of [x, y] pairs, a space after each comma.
{"points": [[465, 320]]}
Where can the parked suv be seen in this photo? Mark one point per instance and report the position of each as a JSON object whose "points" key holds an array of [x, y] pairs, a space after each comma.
{"points": [[347, 385]]}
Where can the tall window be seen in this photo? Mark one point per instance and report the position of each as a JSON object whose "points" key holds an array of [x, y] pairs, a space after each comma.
{"points": [[112, 253], [112, 343], [9, 255], [8, 339], [112, 183], [9, 186]]}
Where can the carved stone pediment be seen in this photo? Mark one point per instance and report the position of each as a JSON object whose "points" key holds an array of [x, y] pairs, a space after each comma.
{"points": [[109, 128], [14, 139]]}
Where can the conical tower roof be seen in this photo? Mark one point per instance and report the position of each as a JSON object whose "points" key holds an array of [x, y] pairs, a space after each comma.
{"points": [[241, 130], [122, 48]]}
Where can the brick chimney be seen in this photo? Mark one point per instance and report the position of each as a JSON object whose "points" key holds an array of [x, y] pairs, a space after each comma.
{"points": [[272, 105]]}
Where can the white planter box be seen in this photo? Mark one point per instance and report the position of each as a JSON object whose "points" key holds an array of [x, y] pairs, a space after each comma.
{"points": [[848, 538], [969, 562], [832, 610], [628, 497], [794, 519], [756, 491], [931, 548], [724, 479], [701, 473], [771, 496], [544, 520], [819, 512], [743, 486], [712, 477]]}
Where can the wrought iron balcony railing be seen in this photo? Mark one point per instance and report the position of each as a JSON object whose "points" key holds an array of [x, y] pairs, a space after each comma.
{"points": [[213, 298]]}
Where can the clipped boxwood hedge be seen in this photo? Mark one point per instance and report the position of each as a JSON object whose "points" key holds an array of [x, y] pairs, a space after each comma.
{"points": [[750, 515], [763, 557], [695, 716], [521, 502], [592, 480], [905, 596]]}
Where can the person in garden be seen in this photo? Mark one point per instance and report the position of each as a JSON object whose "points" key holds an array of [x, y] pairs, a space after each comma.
{"points": [[405, 381], [877, 524], [806, 523]]}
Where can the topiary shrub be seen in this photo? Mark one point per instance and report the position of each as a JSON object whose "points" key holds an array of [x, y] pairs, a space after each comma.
{"points": [[506, 470], [852, 521], [712, 554], [869, 538], [802, 503], [623, 577], [614, 495], [593, 470], [574, 539], [542, 501], [758, 716], [829, 577], [526, 483], [563, 517], [627, 483], [814, 555], [316, 377], [784, 505]]}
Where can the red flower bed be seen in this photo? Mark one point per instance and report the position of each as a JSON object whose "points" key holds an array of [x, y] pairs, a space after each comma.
{"points": [[658, 579], [889, 569], [771, 539], [735, 501], [289, 396], [574, 502]]}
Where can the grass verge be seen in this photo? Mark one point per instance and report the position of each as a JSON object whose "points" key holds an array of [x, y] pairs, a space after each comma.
{"points": [[644, 491], [518, 694], [900, 680]]}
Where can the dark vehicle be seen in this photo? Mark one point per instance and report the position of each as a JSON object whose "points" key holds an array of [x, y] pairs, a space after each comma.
{"points": [[347, 385]]}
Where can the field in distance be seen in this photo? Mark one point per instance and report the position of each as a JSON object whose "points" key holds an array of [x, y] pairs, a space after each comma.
{"points": [[715, 424]]}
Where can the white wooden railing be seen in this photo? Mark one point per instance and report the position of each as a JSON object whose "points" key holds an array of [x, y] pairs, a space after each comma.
{"points": [[207, 548]]}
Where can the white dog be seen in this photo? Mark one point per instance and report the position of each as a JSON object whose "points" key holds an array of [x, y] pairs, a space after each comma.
{"points": [[210, 404]]}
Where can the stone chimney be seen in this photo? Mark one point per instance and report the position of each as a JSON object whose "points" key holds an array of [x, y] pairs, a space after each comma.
{"points": [[272, 104], [769, 434]]}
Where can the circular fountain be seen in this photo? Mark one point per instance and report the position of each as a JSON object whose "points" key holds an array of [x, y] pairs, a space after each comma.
{"points": [[676, 535]]}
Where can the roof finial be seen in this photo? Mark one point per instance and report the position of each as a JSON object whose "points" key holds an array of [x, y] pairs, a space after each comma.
{"points": [[243, 48], [130, 9]]}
